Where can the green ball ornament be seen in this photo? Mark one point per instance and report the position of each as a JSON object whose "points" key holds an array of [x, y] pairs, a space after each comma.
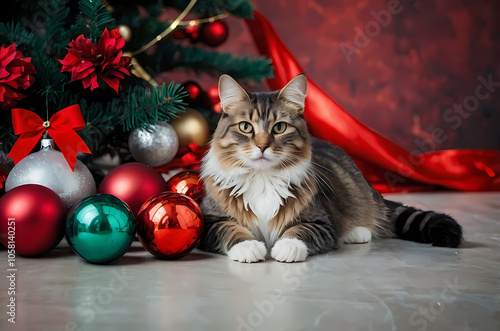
{"points": [[100, 228]]}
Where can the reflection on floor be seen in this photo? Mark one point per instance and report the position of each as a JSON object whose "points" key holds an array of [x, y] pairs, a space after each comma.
{"points": [[384, 285]]}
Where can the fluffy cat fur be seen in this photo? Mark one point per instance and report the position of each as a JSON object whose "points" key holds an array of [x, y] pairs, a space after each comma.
{"points": [[270, 187]]}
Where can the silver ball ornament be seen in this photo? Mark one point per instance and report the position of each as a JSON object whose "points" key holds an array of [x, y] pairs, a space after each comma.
{"points": [[153, 144], [49, 168]]}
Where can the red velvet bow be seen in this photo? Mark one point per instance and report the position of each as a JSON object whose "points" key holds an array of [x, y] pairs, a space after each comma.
{"points": [[61, 127], [187, 158]]}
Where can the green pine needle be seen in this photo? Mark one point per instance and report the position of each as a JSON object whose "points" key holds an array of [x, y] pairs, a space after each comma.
{"points": [[7, 137], [100, 120], [56, 35], [148, 106], [12, 32], [94, 17]]}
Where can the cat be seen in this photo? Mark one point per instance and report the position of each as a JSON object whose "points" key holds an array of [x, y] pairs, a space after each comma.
{"points": [[270, 186]]}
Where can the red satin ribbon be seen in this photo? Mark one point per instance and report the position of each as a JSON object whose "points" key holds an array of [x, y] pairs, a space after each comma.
{"points": [[187, 158], [387, 166], [62, 129]]}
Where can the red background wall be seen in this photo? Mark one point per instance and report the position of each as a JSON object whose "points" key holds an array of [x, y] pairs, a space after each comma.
{"points": [[403, 82]]}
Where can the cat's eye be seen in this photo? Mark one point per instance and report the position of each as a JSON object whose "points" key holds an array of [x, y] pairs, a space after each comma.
{"points": [[246, 127], [279, 127]]}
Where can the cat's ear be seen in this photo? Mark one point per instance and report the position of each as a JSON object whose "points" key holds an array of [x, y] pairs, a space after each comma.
{"points": [[295, 91], [230, 93]]}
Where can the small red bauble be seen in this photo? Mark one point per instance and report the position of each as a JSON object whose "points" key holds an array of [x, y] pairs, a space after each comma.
{"points": [[169, 225], [188, 183], [194, 92], [193, 33], [217, 108], [214, 34], [133, 183], [32, 218], [213, 98]]}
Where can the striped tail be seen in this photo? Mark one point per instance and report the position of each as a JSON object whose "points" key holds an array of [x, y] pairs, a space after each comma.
{"points": [[424, 226]]}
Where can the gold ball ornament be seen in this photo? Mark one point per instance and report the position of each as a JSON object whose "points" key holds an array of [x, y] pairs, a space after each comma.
{"points": [[191, 127], [125, 32]]}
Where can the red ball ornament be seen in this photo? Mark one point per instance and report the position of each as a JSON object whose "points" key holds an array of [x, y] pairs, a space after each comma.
{"points": [[133, 183], [217, 108], [214, 34], [213, 95], [169, 225], [32, 219], [213, 99], [194, 92], [188, 183], [178, 34]]}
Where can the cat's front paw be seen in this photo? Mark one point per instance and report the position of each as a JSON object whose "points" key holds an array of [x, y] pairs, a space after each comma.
{"points": [[289, 250], [248, 251]]}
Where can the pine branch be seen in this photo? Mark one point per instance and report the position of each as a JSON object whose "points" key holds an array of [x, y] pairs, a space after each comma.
{"points": [[149, 106], [52, 81], [12, 32], [7, 137], [56, 35], [100, 120], [94, 17], [170, 55], [240, 8]]}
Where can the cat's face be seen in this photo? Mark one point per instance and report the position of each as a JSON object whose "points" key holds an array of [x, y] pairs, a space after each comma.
{"points": [[262, 130]]}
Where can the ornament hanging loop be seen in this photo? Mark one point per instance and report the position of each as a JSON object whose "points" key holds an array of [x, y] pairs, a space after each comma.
{"points": [[47, 144], [46, 124]]}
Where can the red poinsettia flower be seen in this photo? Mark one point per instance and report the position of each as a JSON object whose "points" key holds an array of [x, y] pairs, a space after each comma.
{"points": [[87, 61], [15, 74], [3, 177]]}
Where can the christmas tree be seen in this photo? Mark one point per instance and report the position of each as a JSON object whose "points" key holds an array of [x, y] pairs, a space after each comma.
{"points": [[104, 56]]}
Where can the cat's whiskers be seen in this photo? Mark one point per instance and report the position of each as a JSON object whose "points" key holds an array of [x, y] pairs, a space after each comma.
{"points": [[313, 172], [285, 158], [235, 162], [318, 177]]}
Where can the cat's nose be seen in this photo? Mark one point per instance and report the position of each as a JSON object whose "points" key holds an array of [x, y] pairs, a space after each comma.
{"points": [[263, 148]]}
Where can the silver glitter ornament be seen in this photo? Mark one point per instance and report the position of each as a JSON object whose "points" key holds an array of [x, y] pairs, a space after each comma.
{"points": [[153, 144], [49, 168]]}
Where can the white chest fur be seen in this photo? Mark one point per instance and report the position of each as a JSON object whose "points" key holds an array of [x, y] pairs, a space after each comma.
{"points": [[264, 191], [265, 195]]}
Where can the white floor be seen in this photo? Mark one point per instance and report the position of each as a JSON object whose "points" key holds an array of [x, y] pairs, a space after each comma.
{"points": [[385, 285]]}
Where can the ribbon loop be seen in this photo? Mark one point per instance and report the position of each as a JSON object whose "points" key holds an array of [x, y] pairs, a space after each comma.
{"points": [[62, 127]]}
